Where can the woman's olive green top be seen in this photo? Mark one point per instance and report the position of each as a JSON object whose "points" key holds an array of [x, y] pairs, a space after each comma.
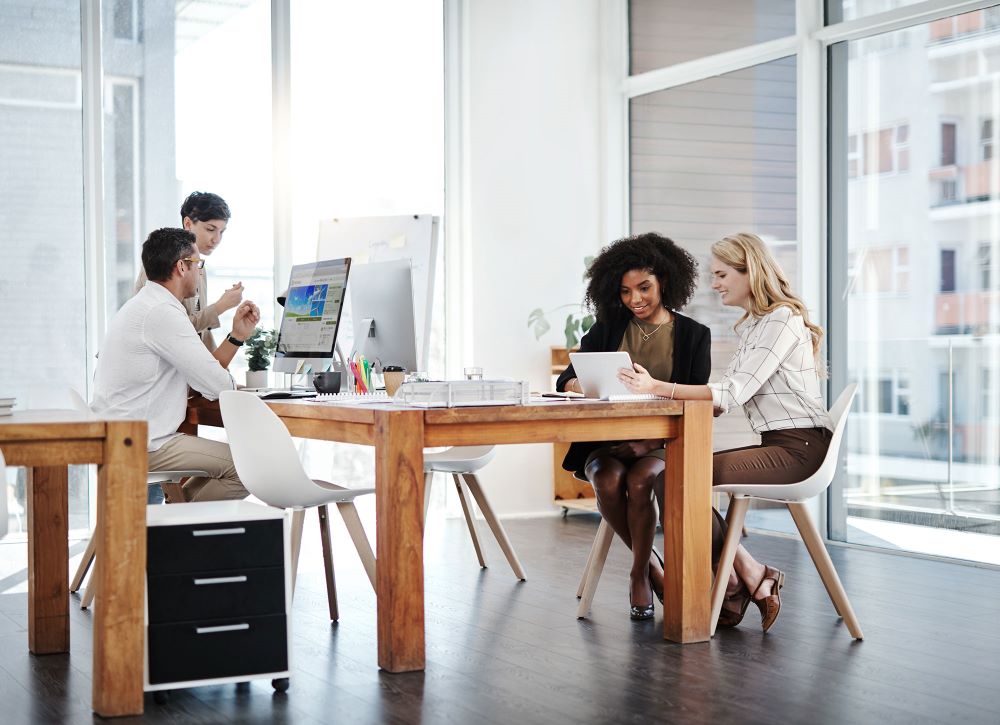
{"points": [[651, 346]]}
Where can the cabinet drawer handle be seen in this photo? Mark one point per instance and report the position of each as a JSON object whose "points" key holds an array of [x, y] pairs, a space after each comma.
{"points": [[221, 580], [223, 628], [219, 532]]}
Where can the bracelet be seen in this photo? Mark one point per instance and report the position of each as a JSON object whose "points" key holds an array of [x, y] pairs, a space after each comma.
{"points": [[672, 391], [234, 341]]}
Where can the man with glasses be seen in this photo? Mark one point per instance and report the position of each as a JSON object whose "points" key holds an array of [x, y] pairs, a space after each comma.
{"points": [[205, 215], [152, 354]]}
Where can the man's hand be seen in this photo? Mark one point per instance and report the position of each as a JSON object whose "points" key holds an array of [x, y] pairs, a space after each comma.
{"points": [[230, 298], [245, 320]]}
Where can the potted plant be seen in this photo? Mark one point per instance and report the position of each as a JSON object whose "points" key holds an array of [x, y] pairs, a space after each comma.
{"points": [[578, 321], [259, 348]]}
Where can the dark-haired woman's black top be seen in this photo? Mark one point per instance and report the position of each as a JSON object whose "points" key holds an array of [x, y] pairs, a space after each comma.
{"points": [[692, 364]]}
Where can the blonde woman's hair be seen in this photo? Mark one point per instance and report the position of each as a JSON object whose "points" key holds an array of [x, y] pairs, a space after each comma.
{"points": [[769, 287]]}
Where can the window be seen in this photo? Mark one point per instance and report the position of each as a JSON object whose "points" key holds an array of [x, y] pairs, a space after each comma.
{"points": [[888, 394], [949, 132], [947, 191], [986, 140], [665, 32], [984, 263], [880, 270], [947, 283], [713, 156], [43, 272], [884, 151], [917, 172], [989, 403], [125, 20]]}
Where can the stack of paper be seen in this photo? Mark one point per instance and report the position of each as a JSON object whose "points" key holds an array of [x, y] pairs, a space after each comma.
{"points": [[6, 404]]}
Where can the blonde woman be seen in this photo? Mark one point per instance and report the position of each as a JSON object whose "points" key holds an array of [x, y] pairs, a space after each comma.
{"points": [[775, 377]]}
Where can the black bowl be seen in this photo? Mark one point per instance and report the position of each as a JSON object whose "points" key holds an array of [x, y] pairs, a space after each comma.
{"points": [[328, 382]]}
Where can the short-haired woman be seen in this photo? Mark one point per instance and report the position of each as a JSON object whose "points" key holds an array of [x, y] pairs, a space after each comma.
{"points": [[774, 376], [636, 286]]}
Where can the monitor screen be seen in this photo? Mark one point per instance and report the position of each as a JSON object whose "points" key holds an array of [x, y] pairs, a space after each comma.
{"points": [[312, 309], [382, 313]]}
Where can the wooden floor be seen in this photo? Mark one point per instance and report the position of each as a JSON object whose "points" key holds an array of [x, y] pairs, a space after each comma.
{"points": [[500, 651]]}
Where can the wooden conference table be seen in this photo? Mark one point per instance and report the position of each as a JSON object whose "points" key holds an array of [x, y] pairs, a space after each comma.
{"points": [[46, 442], [400, 434]]}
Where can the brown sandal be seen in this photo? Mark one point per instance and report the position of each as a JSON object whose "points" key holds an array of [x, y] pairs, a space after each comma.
{"points": [[770, 605]]}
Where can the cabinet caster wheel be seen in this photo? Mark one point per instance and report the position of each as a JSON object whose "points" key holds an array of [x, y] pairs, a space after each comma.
{"points": [[161, 697], [280, 684]]}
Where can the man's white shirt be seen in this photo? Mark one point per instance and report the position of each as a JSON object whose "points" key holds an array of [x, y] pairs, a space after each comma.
{"points": [[150, 357]]}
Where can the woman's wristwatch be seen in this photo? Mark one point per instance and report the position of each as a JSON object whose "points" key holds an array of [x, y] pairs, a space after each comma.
{"points": [[234, 341]]}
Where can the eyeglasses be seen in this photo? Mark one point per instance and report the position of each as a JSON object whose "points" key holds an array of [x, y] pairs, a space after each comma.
{"points": [[199, 263]]}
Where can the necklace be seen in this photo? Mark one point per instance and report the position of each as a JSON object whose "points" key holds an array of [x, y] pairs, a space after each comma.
{"points": [[647, 335]]}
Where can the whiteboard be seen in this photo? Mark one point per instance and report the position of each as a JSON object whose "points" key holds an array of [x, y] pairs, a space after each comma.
{"points": [[379, 239]]}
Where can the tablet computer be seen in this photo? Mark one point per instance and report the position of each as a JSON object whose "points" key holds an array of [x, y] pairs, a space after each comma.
{"points": [[598, 373]]}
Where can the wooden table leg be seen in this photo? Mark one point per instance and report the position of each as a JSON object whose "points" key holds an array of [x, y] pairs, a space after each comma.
{"points": [[399, 506], [687, 527], [121, 532], [48, 560]]}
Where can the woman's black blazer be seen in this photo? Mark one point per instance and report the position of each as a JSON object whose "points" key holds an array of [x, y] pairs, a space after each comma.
{"points": [[692, 363]]}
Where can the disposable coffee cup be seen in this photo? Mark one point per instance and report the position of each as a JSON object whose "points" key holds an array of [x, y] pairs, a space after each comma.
{"points": [[393, 375]]}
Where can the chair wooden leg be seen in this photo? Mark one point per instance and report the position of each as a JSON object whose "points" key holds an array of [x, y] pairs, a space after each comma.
{"points": [[600, 549], [353, 523], [734, 517], [85, 562], [743, 528], [298, 519], [91, 589], [824, 565], [331, 581], [428, 480], [587, 566], [470, 520], [499, 532]]}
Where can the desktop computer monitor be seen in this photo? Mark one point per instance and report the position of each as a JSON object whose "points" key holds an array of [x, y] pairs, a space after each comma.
{"points": [[382, 313], [308, 331]]}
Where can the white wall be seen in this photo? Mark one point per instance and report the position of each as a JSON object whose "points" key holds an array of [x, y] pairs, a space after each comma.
{"points": [[532, 145]]}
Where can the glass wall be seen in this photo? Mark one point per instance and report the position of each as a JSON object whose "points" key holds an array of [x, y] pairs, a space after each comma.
{"points": [[188, 107], [920, 293], [43, 269]]}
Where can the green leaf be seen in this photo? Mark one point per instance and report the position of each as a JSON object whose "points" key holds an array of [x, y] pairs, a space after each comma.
{"points": [[572, 331], [588, 322], [536, 314]]}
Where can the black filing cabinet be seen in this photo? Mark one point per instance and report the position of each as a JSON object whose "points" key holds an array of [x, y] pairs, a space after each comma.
{"points": [[217, 594]]}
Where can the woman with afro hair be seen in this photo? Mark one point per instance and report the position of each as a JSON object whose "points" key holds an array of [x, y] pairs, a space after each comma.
{"points": [[636, 285]]}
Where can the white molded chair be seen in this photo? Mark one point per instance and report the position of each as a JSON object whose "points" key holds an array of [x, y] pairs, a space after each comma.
{"points": [[794, 496], [270, 469], [164, 478], [462, 462]]}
